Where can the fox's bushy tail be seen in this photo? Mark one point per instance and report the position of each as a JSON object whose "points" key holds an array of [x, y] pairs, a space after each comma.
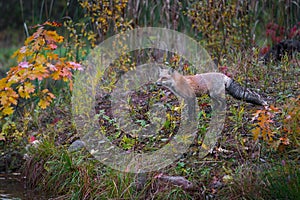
{"points": [[243, 93]]}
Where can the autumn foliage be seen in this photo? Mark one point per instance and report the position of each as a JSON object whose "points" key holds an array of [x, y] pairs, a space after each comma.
{"points": [[286, 135], [37, 61], [223, 25]]}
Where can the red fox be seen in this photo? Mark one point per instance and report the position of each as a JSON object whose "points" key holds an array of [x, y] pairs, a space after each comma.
{"points": [[208, 83]]}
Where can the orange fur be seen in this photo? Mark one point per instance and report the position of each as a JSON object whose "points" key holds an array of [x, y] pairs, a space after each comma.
{"points": [[212, 83]]}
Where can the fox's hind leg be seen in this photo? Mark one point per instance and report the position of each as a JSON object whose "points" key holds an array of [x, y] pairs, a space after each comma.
{"points": [[218, 102], [217, 94]]}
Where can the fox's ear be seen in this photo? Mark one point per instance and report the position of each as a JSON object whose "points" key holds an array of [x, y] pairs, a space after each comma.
{"points": [[171, 70], [160, 67]]}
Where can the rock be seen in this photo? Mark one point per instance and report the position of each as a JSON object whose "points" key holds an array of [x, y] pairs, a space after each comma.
{"points": [[11, 161], [76, 146]]}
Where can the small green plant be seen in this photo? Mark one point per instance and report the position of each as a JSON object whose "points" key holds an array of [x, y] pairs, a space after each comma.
{"points": [[128, 142], [182, 168], [237, 117], [12, 136]]}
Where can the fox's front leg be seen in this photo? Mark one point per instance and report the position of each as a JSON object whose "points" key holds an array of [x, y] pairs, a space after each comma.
{"points": [[177, 83], [191, 104]]}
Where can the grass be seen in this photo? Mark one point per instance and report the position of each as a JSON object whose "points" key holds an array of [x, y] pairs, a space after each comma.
{"points": [[283, 181], [264, 181]]}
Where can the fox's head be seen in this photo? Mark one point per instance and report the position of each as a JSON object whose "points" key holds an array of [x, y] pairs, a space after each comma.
{"points": [[166, 78]]}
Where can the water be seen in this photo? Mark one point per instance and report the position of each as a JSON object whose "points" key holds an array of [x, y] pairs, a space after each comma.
{"points": [[12, 188]]}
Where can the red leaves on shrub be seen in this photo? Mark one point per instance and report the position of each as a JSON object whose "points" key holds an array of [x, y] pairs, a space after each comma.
{"points": [[277, 33]]}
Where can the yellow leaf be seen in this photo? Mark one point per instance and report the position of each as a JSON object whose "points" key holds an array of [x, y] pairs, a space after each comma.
{"points": [[29, 87], [4, 99], [8, 110], [51, 95], [71, 85], [177, 108], [21, 91], [24, 91], [40, 59], [204, 146], [45, 91], [56, 75], [43, 103], [8, 97], [12, 100], [256, 133]]}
